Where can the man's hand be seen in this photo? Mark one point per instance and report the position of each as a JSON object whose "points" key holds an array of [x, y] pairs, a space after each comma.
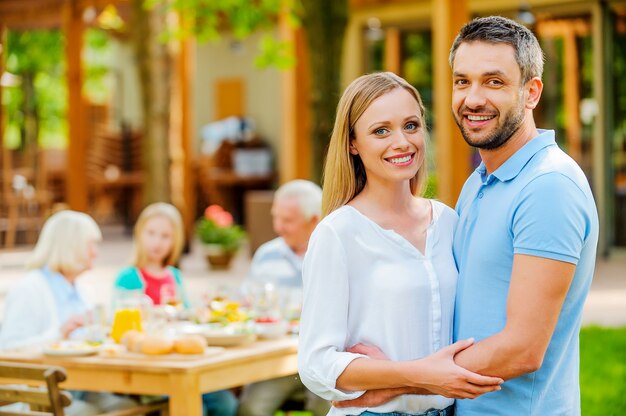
{"points": [[370, 351], [74, 322], [373, 398]]}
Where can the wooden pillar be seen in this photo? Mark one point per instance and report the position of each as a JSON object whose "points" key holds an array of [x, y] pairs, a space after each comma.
{"points": [[3, 46], [602, 183], [453, 154], [354, 51], [187, 63], [181, 145], [295, 141], [393, 51], [76, 183], [571, 92]]}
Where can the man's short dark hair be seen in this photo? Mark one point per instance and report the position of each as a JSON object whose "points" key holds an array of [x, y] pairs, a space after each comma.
{"points": [[498, 29]]}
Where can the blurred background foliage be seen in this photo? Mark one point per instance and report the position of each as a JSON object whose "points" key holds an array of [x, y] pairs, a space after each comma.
{"points": [[36, 98]]}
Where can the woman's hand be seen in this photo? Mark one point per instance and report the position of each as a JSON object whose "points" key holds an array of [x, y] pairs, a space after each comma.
{"points": [[444, 377], [74, 322]]}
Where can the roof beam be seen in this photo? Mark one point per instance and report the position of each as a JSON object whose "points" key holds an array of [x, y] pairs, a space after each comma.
{"points": [[43, 14]]}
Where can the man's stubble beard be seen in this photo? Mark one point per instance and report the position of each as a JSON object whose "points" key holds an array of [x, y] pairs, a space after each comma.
{"points": [[512, 122]]}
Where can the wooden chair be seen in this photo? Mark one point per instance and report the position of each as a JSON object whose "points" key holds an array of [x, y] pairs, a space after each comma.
{"points": [[23, 211], [114, 174], [49, 400]]}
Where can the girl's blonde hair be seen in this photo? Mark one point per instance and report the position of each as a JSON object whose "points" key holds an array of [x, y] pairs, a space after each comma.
{"points": [[63, 245], [344, 173], [170, 212]]}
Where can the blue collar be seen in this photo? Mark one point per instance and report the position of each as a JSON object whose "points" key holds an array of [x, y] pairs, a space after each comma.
{"points": [[59, 284], [514, 165]]}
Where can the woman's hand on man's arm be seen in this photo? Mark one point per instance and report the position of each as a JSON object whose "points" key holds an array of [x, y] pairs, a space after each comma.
{"points": [[435, 374]]}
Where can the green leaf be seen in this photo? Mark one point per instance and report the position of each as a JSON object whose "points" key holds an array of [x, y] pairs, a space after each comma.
{"points": [[275, 53], [204, 19]]}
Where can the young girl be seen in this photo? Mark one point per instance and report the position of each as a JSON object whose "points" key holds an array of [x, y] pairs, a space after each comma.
{"points": [[157, 247], [158, 244], [379, 270]]}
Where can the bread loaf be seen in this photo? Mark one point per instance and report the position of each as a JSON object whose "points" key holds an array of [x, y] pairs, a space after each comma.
{"points": [[133, 339], [190, 344], [157, 344]]}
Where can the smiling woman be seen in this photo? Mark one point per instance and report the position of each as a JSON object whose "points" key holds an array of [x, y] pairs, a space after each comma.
{"points": [[390, 137], [379, 268]]}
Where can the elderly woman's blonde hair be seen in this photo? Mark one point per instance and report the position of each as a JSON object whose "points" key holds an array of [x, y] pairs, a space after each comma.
{"points": [[344, 173], [168, 211], [64, 243]]}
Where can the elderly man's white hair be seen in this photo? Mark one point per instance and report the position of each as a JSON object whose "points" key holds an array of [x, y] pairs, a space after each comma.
{"points": [[306, 193]]}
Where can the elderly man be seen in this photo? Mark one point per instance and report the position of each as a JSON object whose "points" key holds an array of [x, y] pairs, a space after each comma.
{"points": [[295, 212]]}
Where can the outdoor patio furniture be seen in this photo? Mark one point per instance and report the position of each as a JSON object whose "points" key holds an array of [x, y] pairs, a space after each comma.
{"points": [[183, 381], [115, 175], [48, 400], [24, 199], [221, 184]]}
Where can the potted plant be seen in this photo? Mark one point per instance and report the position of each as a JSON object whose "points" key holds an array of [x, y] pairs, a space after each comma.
{"points": [[220, 236]]}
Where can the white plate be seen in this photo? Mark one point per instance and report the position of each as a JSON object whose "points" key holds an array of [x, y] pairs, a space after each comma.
{"points": [[228, 340], [219, 336], [70, 349]]}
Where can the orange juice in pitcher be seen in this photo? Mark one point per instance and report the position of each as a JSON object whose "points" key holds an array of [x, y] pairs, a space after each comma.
{"points": [[124, 320], [130, 305]]}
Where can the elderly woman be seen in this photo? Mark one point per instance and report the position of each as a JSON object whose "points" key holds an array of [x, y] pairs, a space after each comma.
{"points": [[47, 304]]}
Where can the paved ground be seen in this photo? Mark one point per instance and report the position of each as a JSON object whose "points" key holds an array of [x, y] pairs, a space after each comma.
{"points": [[606, 304]]}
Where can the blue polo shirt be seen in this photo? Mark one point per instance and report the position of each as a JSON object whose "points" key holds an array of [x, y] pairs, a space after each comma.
{"points": [[537, 203]]}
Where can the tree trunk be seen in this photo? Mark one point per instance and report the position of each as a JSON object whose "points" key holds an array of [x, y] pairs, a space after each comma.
{"points": [[325, 24], [154, 63]]}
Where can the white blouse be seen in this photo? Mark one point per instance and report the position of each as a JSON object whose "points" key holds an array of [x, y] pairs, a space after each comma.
{"points": [[365, 284]]}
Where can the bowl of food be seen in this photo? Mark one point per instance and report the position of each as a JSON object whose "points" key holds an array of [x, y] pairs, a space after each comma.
{"points": [[270, 328]]}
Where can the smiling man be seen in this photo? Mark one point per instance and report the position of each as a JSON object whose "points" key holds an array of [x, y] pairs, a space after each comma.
{"points": [[526, 240]]}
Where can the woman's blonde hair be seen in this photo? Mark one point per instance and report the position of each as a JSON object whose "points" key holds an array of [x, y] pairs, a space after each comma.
{"points": [[344, 173], [159, 209], [63, 245]]}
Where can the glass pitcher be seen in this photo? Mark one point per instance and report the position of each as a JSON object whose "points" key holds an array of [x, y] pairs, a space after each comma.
{"points": [[129, 308]]}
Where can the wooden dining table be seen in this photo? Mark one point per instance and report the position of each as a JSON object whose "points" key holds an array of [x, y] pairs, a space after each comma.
{"points": [[183, 379]]}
